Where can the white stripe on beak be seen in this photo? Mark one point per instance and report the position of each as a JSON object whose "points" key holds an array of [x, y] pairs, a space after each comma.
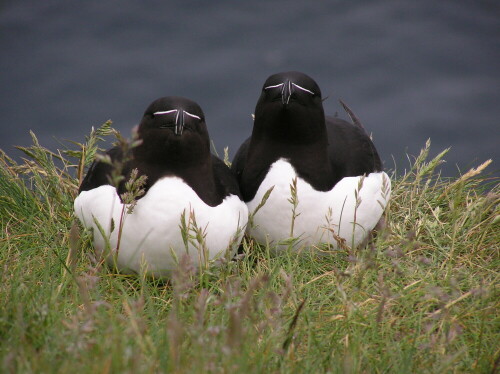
{"points": [[192, 115], [165, 112], [276, 85], [303, 89]]}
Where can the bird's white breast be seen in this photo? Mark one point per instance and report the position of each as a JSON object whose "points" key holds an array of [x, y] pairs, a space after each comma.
{"points": [[350, 210], [151, 236]]}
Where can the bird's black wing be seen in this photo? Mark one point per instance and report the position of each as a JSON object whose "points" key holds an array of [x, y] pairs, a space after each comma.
{"points": [[225, 178], [100, 172], [240, 159], [350, 150]]}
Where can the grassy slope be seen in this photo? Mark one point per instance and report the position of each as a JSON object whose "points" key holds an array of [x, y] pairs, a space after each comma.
{"points": [[423, 297]]}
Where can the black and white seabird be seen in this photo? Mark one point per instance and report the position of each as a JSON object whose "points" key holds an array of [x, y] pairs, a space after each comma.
{"points": [[184, 181], [341, 188]]}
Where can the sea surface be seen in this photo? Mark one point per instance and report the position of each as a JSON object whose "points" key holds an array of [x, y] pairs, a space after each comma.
{"points": [[409, 70]]}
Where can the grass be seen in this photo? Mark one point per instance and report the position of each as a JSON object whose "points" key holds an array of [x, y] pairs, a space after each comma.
{"points": [[422, 297]]}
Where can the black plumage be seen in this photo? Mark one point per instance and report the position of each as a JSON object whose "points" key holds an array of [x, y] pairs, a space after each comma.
{"points": [[170, 148], [290, 123]]}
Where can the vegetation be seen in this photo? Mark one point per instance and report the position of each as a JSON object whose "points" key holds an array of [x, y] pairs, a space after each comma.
{"points": [[423, 296]]}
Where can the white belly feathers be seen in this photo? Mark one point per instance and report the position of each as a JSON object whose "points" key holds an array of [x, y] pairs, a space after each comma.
{"points": [[151, 237], [350, 210]]}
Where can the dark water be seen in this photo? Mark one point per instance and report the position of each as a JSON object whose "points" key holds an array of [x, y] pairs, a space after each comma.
{"points": [[409, 70]]}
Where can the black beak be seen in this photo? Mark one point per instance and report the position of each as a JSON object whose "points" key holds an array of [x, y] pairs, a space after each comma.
{"points": [[286, 92], [179, 122]]}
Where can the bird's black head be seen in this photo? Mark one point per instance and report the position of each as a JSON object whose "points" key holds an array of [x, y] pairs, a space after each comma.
{"points": [[173, 128], [290, 107]]}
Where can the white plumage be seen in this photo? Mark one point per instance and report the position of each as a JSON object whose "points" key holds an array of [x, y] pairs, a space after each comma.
{"points": [[151, 238], [317, 212]]}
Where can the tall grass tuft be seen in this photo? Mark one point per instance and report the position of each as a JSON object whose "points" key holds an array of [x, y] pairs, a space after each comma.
{"points": [[422, 296]]}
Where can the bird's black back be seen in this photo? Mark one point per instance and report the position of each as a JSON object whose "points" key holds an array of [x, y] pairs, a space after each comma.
{"points": [[99, 173], [350, 152], [212, 186]]}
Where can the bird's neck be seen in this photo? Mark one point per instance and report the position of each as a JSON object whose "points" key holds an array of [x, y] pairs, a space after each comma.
{"points": [[197, 172], [310, 162], [312, 156]]}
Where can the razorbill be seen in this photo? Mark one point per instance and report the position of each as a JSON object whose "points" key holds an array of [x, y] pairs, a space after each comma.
{"points": [[192, 203], [339, 188]]}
